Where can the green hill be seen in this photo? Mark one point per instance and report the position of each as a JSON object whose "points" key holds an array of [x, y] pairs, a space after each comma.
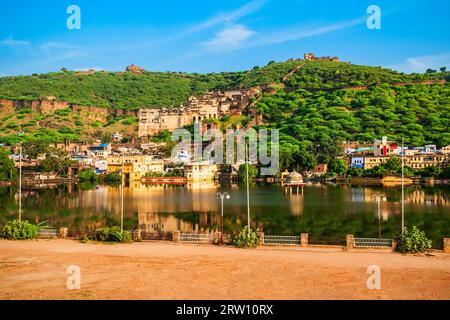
{"points": [[155, 89], [311, 107]]}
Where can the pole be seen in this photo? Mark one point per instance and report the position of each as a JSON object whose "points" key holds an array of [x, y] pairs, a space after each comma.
{"points": [[221, 232], [379, 218], [121, 200], [403, 191], [248, 193], [20, 182]]}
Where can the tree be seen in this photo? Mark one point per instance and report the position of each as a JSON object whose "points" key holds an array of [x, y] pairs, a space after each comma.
{"points": [[58, 162], [337, 166], [87, 175], [242, 174], [8, 171], [34, 148], [443, 69]]}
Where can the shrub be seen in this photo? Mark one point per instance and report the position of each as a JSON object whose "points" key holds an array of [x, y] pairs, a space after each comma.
{"points": [[112, 234], [87, 175], [413, 241], [247, 238], [16, 230]]}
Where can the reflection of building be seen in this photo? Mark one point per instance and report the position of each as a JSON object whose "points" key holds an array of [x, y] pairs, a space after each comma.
{"points": [[420, 197]]}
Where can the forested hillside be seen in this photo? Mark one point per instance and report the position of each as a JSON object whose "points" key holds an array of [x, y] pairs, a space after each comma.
{"points": [[316, 107], [156, 89]]}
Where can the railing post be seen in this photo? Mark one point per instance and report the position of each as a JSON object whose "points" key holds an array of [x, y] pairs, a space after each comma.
{"points": [[349, 241], [176, 236], [447, 245], [63, 231], [304, 240], [394, 244], [137, 235], [261, 238]]}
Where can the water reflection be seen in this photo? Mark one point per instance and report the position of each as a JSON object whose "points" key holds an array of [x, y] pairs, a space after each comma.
{"points": [[321, 210]]}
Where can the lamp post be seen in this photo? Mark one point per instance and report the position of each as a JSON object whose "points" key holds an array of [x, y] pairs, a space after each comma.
{"points": [[222, 196], [121, 195], [20, 177], [248, 192], [403, 189], [378, 198]]}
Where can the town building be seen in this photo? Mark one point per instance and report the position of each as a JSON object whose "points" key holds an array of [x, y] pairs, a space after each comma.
{"points": [[117, 137], [211, 105], [445, 150], [312, 57], [101, 150], [383, 147], [372, 161], [135, 69], [357, 162], [320, 169], [420, 161], [134, 166], [200, 171]]}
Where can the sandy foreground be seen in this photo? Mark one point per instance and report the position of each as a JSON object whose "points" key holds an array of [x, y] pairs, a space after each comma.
{"points": [[163, 270]]}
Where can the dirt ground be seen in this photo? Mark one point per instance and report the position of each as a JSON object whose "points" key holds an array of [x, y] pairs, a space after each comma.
{"points": [[163, 270]]}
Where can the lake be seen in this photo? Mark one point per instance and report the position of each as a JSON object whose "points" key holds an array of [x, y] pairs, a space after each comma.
{"points": [[326, 212]]}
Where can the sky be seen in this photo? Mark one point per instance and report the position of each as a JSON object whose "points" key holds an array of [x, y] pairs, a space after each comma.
{"points": [[219, 35]]}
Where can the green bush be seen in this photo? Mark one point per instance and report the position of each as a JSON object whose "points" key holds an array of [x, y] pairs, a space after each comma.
{"points": [[16, 230], [112, 234], [413, 241], [247, 238], [87, 175]]}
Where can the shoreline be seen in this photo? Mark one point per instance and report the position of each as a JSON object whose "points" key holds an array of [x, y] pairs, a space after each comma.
{"points": [[162, 270]]}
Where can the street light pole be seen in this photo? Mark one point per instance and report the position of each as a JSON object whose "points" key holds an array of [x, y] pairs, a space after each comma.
{"points": [[121, 197], [222, 196], [248, 192], [20, 182], [379, 198], [403, 191], [20, 176]]}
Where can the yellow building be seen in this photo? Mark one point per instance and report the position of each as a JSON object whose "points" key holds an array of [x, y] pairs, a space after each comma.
{"points": [[420, 161], [417, 161], [372, 161], [200, 171], [134, 166]]}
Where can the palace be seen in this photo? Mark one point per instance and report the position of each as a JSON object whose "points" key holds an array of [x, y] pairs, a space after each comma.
{"points": [[210, 105]]}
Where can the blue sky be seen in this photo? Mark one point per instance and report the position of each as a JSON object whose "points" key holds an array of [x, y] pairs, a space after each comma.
{"points": [[219, 35]]}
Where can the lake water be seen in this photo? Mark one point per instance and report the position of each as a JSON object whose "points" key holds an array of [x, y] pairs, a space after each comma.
{"points": [[327, 213]]}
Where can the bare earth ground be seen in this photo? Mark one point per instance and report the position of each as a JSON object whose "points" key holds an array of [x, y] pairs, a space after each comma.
{"points": [[162, 270]]}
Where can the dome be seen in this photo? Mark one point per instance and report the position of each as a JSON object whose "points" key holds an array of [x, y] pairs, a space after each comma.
{"points": [[293, 177]]}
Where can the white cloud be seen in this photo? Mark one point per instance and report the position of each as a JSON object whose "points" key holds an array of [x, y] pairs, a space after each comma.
{"points": [[16, 46], [89, 69], [51, 47], [422, 63], [243, 11], [299, 32], [229, 38], [229, 17]]}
